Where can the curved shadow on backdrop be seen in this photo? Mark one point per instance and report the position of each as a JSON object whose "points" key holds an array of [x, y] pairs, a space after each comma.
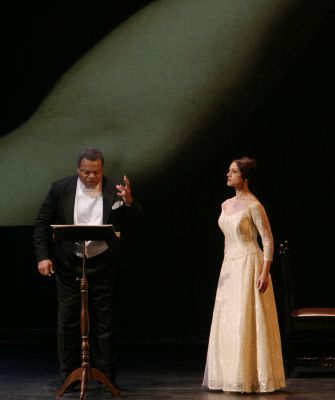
{"points": [[149, 87]]}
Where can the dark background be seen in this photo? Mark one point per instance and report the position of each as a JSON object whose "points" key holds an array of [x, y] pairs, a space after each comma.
{"points": [[172, 261]]}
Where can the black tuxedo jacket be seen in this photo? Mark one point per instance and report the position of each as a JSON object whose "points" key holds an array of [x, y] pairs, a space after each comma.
{"points": [[58, 208]]}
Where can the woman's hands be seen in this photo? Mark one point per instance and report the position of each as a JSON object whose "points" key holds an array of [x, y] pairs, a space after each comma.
{"points": [[263, 282]]}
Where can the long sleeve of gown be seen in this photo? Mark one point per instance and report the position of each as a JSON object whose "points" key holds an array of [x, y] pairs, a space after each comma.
{"points": [[262, 224]]}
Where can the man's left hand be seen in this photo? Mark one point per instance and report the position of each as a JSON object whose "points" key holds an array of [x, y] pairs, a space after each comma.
{"points": [[124, 191]]}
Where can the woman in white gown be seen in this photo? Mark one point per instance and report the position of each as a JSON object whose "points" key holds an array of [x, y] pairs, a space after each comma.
{"points": [[244, 351]]}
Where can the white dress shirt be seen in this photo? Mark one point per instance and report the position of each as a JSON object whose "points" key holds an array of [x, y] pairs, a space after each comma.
{"points": [[88, 210]]}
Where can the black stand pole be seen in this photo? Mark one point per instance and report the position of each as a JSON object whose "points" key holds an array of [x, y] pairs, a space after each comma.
{"points": [[84, 373]]}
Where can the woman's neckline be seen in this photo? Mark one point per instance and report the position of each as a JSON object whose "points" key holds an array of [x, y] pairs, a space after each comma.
{"points": [[251, 203]]}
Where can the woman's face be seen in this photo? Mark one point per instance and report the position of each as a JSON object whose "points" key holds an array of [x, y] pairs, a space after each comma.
{"points": [[234, 177]]}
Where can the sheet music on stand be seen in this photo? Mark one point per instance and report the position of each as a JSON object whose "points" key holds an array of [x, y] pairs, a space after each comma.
{"points": [[84, 232]]}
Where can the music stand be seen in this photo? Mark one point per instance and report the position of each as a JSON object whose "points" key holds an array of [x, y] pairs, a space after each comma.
{"points": [[83, 233]]}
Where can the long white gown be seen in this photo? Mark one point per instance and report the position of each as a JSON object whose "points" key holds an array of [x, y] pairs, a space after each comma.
{"points": [[244, 351]]}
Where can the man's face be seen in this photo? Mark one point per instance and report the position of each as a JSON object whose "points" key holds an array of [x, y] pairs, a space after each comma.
{"points": [[90, 172]]}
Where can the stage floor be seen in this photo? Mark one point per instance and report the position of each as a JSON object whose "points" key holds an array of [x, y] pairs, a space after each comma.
{"points": [[146, 372]]}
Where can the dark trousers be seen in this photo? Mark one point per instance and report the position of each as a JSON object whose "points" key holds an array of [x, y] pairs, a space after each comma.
{"points": [[101, 272]]}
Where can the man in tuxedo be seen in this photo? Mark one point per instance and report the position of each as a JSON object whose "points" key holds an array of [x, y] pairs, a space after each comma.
{"points": [[85, 198]]}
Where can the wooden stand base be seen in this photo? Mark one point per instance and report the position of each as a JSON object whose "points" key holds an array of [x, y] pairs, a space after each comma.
{"points": [[84, 375]]}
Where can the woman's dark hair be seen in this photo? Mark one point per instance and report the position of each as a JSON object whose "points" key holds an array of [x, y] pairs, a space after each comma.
{"points": [[92, 154], [247, 166]]}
